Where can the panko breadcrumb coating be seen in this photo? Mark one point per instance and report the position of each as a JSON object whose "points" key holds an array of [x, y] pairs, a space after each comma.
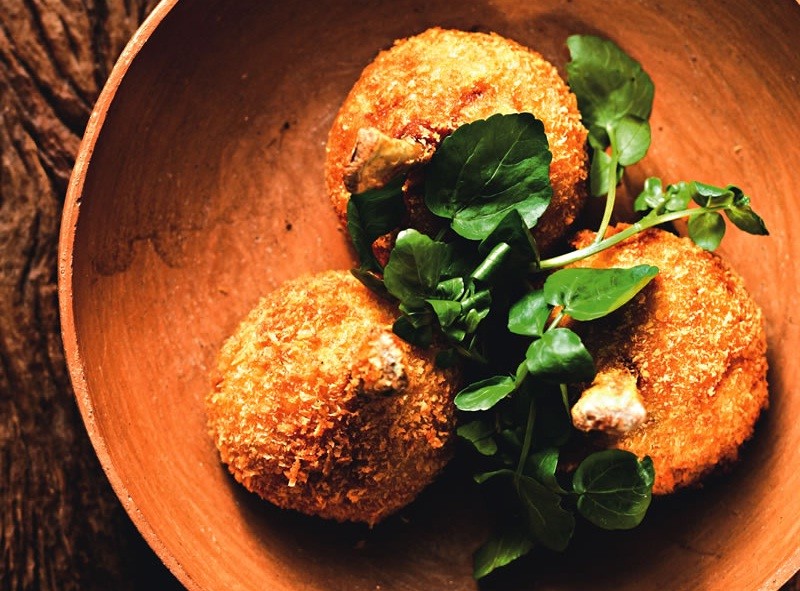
{"points": [[694, 341], [426, 86], [317, 406]]}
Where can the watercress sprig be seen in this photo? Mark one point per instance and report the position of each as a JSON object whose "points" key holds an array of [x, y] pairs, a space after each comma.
{"points": [[615, 98], [472, 285]]}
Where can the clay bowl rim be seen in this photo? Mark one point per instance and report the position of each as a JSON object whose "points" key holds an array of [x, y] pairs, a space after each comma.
{"points": [[66, 243], [74, 360]]}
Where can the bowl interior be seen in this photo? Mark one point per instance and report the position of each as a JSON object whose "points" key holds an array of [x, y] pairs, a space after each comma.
{"points": [[199, 188]]}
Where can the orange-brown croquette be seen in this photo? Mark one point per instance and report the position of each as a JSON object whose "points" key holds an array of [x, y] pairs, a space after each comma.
{"points": [[317, 406], [424, 87], [694, 340]]}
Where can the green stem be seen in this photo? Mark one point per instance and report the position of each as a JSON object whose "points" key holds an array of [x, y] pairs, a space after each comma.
{"points": [[594, 248], [526, 443], [491, 262], [610, 197], [555, 321]]}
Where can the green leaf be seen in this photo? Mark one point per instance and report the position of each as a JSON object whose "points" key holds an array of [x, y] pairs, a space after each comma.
{"points": [[481, 435], [608, 83], [487, 168], [651, 197], [614, 488], [513, 232], [484, 394], [372, 214], [529, 315], [547, 521], [631, 136], [679, 195], [415, 268], [446, 311], [542, 466], [560, 357], [500, 549], [743, 216], [412, 331], [707, 229], [711, 197], [747, 220], [484, 476], [588, 294]]}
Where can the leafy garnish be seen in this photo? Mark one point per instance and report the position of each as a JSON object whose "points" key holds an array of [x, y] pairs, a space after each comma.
{"points": [[588, 294], [560, 357], [372, 214], [477, 290], [503, 547], [487, 168], [614, 488], [615, 98]]}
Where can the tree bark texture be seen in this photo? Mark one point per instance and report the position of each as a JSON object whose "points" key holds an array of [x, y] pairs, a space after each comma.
{"points": [[61, 526]]}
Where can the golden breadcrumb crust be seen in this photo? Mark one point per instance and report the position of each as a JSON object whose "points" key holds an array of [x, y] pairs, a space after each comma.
{"points": [[695, 340], [426, 86], [317, 406]]}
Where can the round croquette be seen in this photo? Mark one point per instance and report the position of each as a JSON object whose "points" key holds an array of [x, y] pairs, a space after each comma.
{"points": [[424, 87], [694, 341], [317, 406]]}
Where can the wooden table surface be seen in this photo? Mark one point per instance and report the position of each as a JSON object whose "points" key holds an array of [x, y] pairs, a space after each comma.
{"points": [[62, 526]]}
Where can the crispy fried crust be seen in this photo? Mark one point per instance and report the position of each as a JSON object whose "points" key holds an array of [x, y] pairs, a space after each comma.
{"points": [[695, 340], [426, 86], [317, 406]]}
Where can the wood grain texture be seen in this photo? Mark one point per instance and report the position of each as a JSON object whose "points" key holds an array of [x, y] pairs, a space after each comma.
{"points": [[61, 526]]}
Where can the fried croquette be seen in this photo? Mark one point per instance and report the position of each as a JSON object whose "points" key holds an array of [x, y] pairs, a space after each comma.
{"points": [[694, 341], [424, 87], [317, 406]]}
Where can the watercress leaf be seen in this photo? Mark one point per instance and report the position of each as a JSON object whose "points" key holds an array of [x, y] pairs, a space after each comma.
{"points": [[484, 394], [371, 280], [447, 311], [608, 83], [521, 251], [679, 195], [707, 229], [419, 334], [372, 214], [481, 435], [651, 197], [560, 357], [631, 136], [474, 317], [743, 216], [415, 267], [482, 477], [450, 289], [542, 465], [487, 168], [549, 523], [711, 197], [529, 314], [588, 294], [500, 549], [614, 488], [747, 220]]}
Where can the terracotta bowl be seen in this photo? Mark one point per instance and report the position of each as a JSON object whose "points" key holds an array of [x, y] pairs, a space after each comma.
{"points": [[199, 187]]}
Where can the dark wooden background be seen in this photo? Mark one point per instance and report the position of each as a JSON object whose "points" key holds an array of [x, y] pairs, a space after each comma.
{"points": [[62, 527]]}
